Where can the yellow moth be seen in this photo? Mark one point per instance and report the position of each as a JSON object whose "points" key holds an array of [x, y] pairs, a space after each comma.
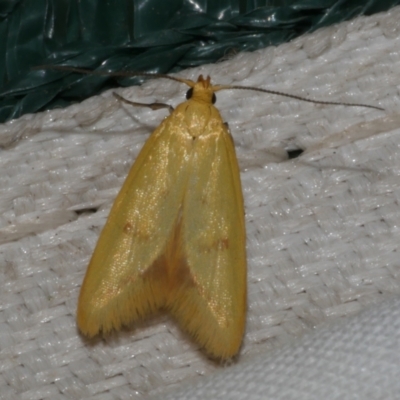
{"points": [[175, 237]]}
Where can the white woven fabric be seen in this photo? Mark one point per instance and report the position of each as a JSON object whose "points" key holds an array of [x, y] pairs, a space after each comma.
{"points": [[353, 359], [322, 230]]}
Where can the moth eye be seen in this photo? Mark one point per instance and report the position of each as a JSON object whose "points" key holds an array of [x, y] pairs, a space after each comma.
{"points": [[189, 94], [213, 98]]}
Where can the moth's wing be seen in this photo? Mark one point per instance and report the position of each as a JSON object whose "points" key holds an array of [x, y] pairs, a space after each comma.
{"points": [[211, 301], [115, 290]]}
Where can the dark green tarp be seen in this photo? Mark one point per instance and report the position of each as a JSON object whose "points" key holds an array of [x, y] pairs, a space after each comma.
{"points": [[143, 35]]}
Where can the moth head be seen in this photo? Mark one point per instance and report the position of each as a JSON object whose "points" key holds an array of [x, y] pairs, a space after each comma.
{"points": [[202, 90]]}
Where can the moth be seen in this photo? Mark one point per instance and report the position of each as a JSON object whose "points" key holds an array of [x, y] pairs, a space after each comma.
{"points": [[175, 238]]}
